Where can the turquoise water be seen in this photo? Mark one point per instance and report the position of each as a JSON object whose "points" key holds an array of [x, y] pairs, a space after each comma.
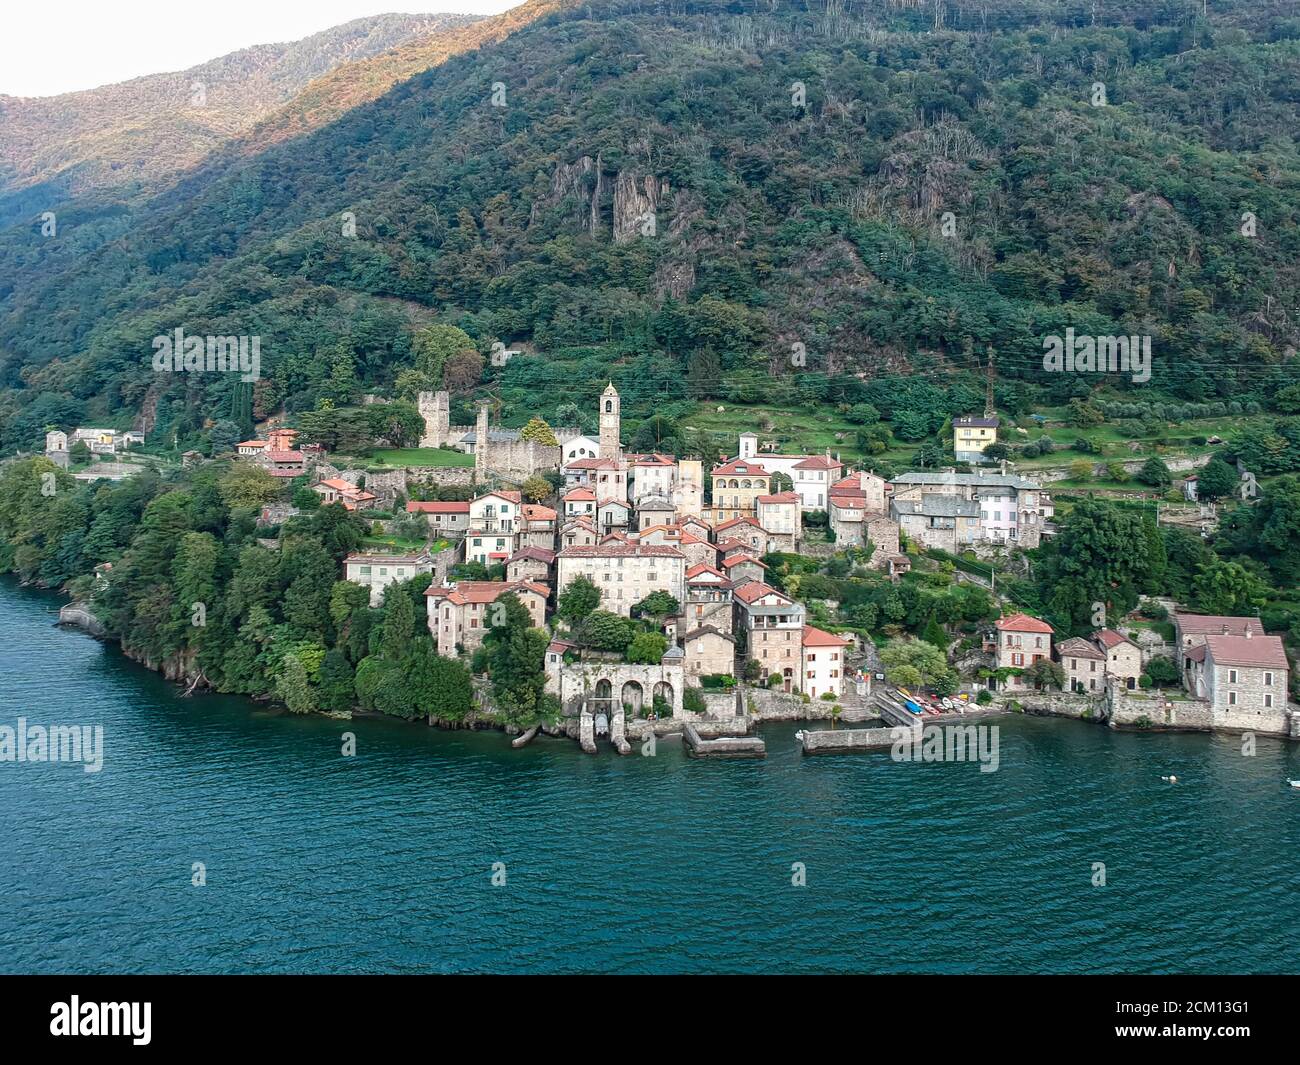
{"points": [[383, 862]]}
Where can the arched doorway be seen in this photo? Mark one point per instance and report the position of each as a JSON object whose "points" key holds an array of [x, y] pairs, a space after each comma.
{"points": [[662, 700], [632, 697]]}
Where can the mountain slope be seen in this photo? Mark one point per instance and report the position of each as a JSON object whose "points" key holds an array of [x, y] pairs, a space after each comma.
{"points": [[154, 127], [677, 197]]}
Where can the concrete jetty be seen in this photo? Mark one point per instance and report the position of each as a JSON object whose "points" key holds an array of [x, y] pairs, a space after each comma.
{"points": [[723, 746], [848, 740]]}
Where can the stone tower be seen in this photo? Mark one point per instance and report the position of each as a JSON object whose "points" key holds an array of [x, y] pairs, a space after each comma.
{"points": [[481, 442], [435, 408], [609, 423]]}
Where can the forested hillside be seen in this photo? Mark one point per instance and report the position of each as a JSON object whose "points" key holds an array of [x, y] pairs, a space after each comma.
{"points": [[677, 195], [148, 131]]}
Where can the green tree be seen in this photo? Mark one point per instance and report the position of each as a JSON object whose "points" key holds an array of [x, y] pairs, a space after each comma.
{"points": [[1228, 588], [579, 598], [646, 648]]}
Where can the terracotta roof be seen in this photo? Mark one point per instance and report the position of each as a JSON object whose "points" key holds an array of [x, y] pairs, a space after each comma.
{"points": [[707, 629], [1109, 638], [1024, 623], [435, 507], [1216, 624], [536, 554], [510, 497], [752, 590], [337, 483], [736, 560], [251, 443], [620, 550], [285, 456], [744, 519], [484, 591], [560, 646], [817, 638], [581, 495], [1078, 647], [818, 462], [701, 569], [740, 468], [1197, 653], [537, 512], [1264, 652], [780, 497]]}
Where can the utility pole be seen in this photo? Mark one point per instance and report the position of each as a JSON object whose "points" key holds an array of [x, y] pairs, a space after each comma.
{"points": [[988, 387]]}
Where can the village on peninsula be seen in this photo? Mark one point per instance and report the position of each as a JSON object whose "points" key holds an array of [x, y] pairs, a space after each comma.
{"points": [[679, 597]]}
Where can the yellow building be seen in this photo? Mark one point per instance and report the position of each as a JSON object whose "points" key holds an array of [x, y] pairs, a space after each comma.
{"points": [[971, 436], [736, 486]]}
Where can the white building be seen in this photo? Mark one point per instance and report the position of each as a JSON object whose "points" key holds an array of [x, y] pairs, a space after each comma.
{"points": [[377, 572], [823, 663]]}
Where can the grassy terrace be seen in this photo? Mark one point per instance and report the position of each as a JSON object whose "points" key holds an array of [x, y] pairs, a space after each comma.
{"points": [[420, 456]]}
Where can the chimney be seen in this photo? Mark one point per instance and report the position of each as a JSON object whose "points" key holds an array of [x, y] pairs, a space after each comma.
{"points": [[1248, 632]]}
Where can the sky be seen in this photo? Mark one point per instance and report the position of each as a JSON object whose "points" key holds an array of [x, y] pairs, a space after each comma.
{"points": [[55, 46]]}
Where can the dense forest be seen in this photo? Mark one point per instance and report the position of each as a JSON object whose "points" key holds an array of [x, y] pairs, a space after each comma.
{"points": [[856, 203]]}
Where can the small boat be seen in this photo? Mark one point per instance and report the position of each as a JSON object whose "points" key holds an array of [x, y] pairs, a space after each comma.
{"points": [[1294, 783], [1170, 780]]}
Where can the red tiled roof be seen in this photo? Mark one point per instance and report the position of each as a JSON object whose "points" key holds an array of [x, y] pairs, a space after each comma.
{"points": [[736, 560], [536, 554], [579, 495], [752, 590], [484, 591], [510, 497], [701, 569], [818, 462], [780, 497], [285, 456], [817, 638], [740, 468], [537, 512], [1109, 638], [1264, 652], [434, 507], [1024, 623], [1078, 647], [1217, 624], [620, 550]]}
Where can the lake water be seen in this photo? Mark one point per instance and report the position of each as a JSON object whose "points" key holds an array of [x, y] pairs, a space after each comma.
{"points": [[383, 862]]}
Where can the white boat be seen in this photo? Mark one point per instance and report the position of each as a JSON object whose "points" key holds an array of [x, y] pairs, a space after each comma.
{"points": [[1294, 783]]}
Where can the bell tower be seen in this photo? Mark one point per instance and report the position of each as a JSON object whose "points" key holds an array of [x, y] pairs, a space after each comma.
{"points": [[609, 423]]}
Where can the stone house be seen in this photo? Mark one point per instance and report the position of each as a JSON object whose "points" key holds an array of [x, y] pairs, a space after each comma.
{"points": [[708, 599], [530, 564], [1243, 678], [445, 518], [772, 624], [624, 572], [613, 515], [1084, 664], [654, 510], [336, 490], [944, 522], [1123, 657], [742, 567], [1009, 509], [1022, 641], [537, 526], [747, 531], [460, 614], [709, 651], [1191, 629], [377, 572], [579, 532]]}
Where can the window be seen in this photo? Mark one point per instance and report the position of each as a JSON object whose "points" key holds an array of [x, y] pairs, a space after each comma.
{"points": [[1268, 680], [1232, 698], [1268, 699], [1232, 676]]}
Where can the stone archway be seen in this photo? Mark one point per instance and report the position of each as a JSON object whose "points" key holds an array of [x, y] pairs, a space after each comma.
{"points": [[632, 697], [663, 690], [604, 694]]}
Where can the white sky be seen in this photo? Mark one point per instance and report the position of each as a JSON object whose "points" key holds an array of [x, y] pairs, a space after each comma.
{"points": [[53, 46]]}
